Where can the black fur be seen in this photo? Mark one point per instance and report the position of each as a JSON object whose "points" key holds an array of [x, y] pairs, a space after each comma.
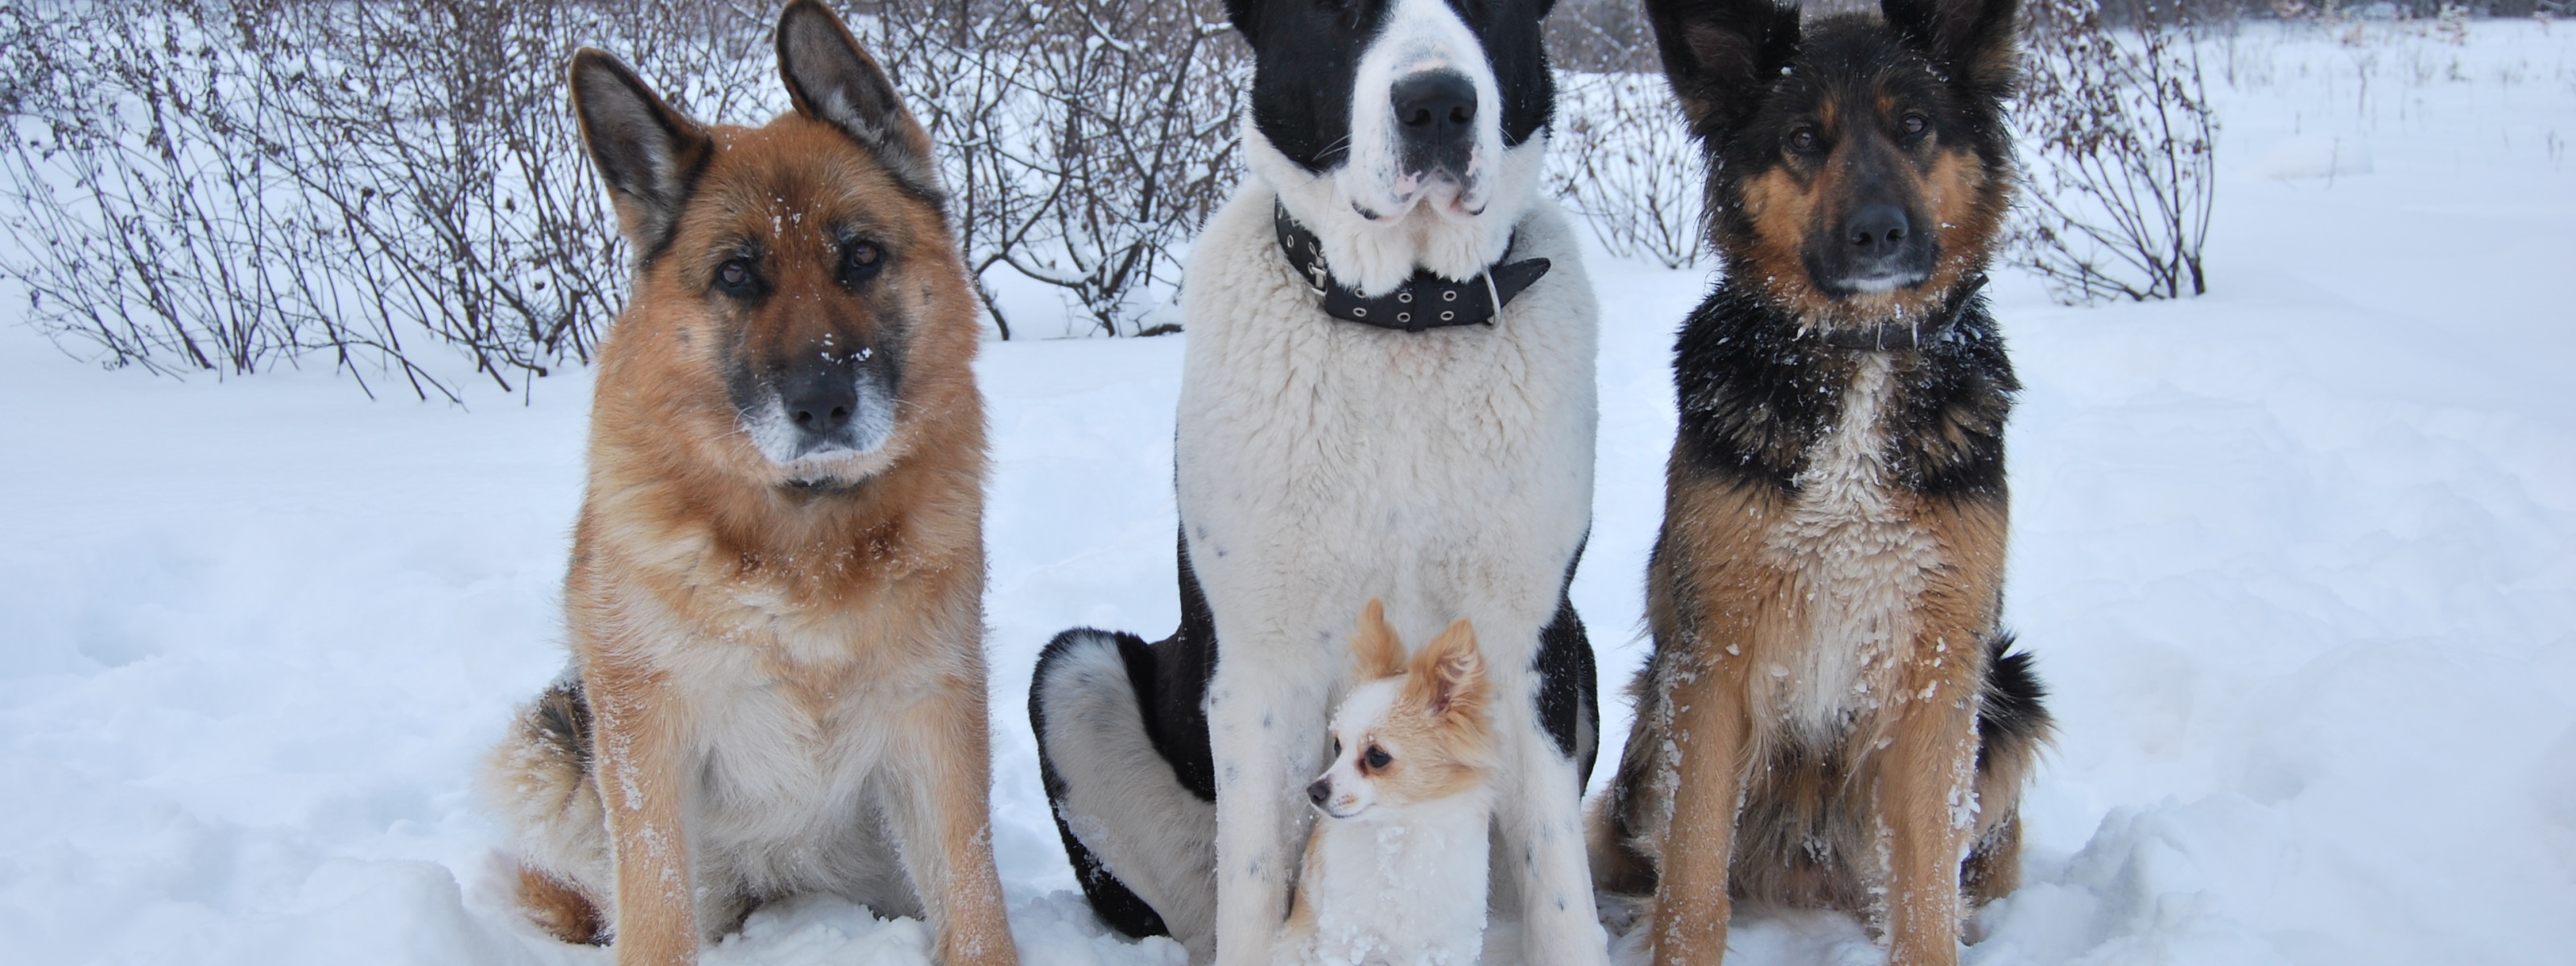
{"points": [[1110, 899], [1756, 393], [1856, 110], [1569, 687], [1751, 80], [1306, 55], [2011, 712], [1175, 700], [1719, 54], [562, 715], [1171, 678], [1750, 71]]}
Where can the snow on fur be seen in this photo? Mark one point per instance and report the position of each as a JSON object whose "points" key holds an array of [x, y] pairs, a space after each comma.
{"points": [[2293, 558]]}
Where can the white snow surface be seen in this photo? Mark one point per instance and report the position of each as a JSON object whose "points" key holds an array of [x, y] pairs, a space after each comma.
{"points": [[2297, 559]]}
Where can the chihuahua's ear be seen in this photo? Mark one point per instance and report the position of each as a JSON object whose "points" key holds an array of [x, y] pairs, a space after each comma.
{"points": [[1375, 651], [1972, 40], [647, 153], [1449, 674], [1722, 55], [832, 79]]}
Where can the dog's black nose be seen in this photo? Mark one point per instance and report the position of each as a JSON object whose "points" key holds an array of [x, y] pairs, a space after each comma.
{"points": [[1877, 230], [1437, 106], [821, 399], [1319, 791]]}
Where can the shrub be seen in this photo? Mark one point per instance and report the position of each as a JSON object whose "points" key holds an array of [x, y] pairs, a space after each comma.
{"points": [[2117, 134], [225, 187]]}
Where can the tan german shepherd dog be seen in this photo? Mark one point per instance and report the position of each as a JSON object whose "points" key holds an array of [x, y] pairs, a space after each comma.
{"points": [[1833, 715], [775, 600]]}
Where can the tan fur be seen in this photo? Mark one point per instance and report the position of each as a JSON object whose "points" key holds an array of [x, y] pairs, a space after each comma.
{"points": [[1824, 598], [1788, 205], [559, 908], [1752, 795], [1439, 731], [1376, 651], [708, 601]]}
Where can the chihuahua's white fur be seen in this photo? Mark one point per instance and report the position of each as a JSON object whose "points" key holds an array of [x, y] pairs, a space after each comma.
{"points": [[1389, 882]]}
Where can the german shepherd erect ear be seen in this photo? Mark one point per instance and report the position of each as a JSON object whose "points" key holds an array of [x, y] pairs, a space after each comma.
{"points": [[648, 153], [833, 80], [1721, 55], [1972, 40]]}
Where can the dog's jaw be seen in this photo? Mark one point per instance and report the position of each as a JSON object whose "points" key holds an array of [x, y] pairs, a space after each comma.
{"points": [[1375, 255]]}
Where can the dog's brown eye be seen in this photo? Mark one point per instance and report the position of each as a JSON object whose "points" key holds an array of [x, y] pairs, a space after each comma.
{"points": [[1337, 747], [1803, 139], [1914, 123], [1376, 757], [860, 262], [734, 277]]}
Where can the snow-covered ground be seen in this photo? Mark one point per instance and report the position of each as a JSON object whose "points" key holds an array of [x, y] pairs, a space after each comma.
{"points": [[2298, 559]]}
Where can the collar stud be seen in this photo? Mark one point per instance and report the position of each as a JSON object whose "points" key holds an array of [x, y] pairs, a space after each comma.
{"points": [[1503, 280]]}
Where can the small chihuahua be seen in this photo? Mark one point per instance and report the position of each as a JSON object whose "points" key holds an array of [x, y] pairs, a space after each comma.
{"points": [[1395, 871]]}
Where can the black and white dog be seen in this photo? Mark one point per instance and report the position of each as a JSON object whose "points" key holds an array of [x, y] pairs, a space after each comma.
{"points": [[1358, 420]]}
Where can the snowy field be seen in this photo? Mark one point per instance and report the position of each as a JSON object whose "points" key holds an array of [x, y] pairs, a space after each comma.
{"points": [[2298, 560]]}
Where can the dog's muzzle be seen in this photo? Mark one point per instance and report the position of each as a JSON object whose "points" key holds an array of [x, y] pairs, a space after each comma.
{"points": [[821, 413], [1435, 122]]}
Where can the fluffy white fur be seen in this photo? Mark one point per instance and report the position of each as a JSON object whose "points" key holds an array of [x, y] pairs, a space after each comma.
{"points": [[1093, 723], [1321, 464], [1390, 883], [783, 803]]}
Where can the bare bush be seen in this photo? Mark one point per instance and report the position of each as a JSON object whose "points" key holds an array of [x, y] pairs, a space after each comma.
{"points": [[1623, 159], [227, 187], [2118, 134], [1602, 37], [1620, 156], [1090, 137]]}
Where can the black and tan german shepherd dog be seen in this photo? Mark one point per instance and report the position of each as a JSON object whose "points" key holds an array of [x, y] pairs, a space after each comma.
{"points": [[1830, 718]]}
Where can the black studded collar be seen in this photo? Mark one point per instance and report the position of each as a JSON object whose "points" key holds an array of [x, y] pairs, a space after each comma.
{"points": [[1425, 301], [1900, 335]]}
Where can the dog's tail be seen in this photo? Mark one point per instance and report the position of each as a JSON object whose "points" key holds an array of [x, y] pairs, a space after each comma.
{"points": [[1142, 843], [540, 782], [2012, 724], [2012, 728]]}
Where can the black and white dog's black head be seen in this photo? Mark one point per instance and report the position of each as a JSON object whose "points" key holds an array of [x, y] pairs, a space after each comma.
{"points": [[1403, 133]]}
